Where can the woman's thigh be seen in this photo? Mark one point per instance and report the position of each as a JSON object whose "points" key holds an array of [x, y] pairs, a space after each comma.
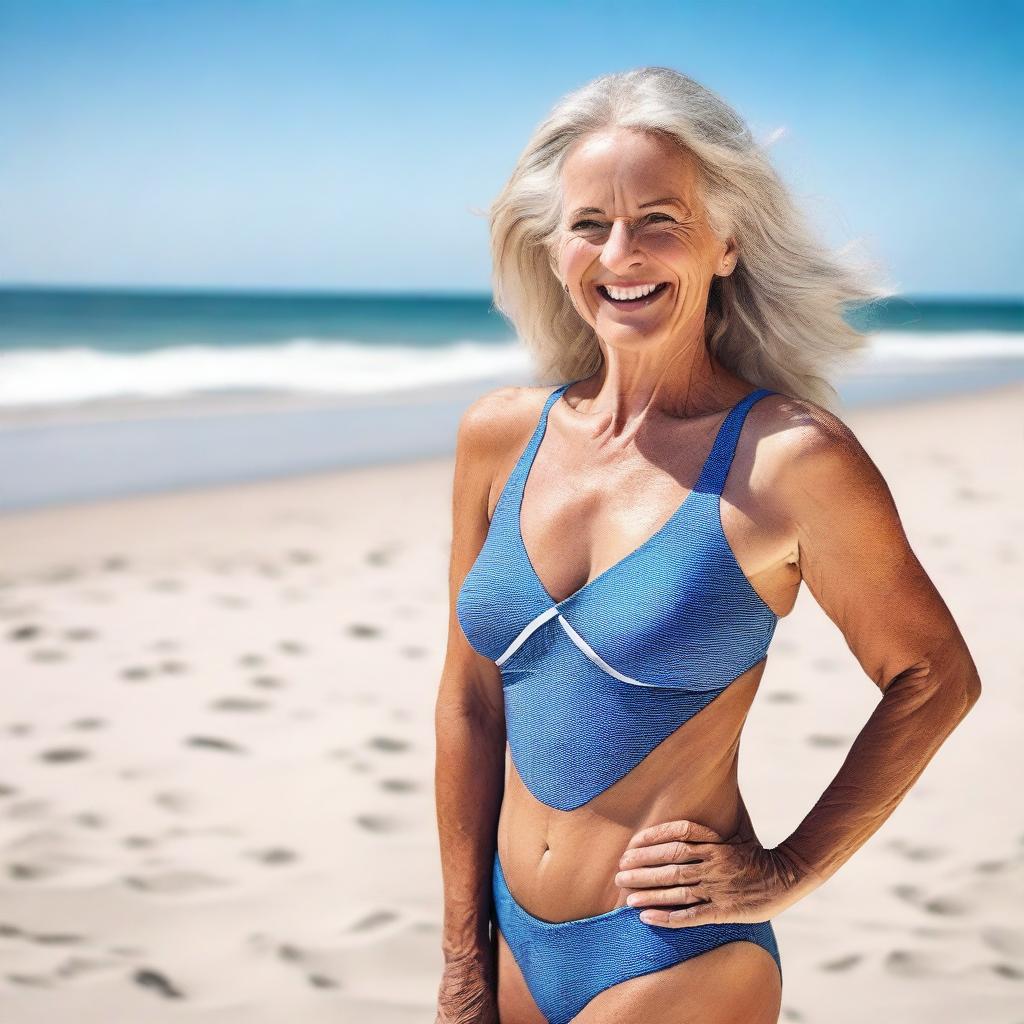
{"points": [[515, 1004], [735, 982]]}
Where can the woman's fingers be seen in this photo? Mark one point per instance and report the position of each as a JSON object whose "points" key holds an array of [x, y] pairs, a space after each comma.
{"points": [[663, 874], [663, 853], [680, 830], [679, 896]]}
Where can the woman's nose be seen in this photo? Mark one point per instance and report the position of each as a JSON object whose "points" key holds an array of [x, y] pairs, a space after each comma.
{"points": [[619, 244]]}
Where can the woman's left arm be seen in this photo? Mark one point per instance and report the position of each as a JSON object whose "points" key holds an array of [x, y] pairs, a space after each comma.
{"points": [[856, 560]]}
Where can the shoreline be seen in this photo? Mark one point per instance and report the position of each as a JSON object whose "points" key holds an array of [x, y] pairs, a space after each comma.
{"points": [[180, 445]]}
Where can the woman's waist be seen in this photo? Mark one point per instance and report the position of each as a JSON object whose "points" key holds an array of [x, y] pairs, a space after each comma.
{"points": [[561, 865]]}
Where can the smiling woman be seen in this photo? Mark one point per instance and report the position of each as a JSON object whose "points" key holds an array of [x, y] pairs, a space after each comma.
{"points": [[623, 548]]}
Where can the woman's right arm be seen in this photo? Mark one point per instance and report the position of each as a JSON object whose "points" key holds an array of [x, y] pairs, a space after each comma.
{"points": [[470, 745]]}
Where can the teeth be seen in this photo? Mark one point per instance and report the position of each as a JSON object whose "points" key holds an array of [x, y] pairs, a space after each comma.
{"points": [[630, 293]]}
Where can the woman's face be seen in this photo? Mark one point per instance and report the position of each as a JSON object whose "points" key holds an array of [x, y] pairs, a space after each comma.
{"points": [[631, 216]]}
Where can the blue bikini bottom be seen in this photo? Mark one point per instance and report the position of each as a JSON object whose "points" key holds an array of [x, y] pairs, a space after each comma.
{"points": [[566, 963]]}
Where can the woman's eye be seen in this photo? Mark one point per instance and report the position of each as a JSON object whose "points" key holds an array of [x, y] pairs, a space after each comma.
{"points": [[593, 223]]}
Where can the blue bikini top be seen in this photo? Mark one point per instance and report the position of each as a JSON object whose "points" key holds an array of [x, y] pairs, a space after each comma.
{"points": [[593, 683]]}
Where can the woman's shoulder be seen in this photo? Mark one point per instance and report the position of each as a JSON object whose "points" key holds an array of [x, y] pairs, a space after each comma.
{"points": [[809, 452], [501, 418]]}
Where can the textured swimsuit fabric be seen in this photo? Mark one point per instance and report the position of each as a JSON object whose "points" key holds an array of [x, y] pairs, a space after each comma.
{"points": [[593, 683]]}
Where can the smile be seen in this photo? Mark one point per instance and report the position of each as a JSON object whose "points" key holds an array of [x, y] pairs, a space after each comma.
{"points": [[635, 301]]}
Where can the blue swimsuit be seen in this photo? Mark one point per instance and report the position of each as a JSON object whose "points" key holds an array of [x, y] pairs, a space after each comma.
{"points": [[593, 683]]}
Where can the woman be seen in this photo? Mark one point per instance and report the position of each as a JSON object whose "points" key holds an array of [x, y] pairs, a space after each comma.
{"points": [[623, 547]]}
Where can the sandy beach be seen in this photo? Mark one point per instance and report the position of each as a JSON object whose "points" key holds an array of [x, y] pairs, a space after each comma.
{"points": [[216, 794]]}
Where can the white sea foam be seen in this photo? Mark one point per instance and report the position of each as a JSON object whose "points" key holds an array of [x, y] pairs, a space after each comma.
{"points": [[46, 376], [330, 367]]}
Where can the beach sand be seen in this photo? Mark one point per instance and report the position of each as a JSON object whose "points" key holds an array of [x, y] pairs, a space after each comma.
{"points": [[216, 792]]}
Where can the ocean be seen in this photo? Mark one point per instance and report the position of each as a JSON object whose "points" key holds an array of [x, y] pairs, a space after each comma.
{"points": [[109, 392]]}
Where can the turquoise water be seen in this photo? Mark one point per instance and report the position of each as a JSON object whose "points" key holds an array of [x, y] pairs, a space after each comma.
{"points": [[139, 321], [63, 346]]}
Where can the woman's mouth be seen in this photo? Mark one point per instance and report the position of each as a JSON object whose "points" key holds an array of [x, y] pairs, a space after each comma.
{"points": [[639, 303]]}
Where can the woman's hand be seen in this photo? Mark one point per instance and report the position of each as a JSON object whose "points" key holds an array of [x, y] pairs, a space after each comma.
{"points": [[681, 873], [466, 994]]}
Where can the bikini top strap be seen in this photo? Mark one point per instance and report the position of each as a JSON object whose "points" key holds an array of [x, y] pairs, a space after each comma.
{"points": [[716, 469], [522, 467]]}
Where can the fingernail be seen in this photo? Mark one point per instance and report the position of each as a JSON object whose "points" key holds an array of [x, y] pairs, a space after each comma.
{"points": [[632, 899]]}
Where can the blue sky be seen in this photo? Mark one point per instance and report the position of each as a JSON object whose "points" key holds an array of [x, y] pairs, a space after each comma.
{"points": [[347, 146]]}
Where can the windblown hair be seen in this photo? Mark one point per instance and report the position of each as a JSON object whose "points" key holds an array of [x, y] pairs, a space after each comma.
{"points": [[776, 320]]}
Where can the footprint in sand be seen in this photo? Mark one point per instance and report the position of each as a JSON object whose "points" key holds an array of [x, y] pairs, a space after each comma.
{"points": [[908, 893], [36, 980], [1008, 941], [273, 855], [267, 682], [177, 801], [292, 954], [844, 963], [788, 1013], [299, 556], [137, 842], [380, 556], [910, 964], [389, 744], [946, 906], [230, 601], [238, 704], [60, 574], [376, 823], [166, 585], [55, 938], [157, 982], [80, 634], [28, 810], [363, 630], [48, 654], [21, 728], [165, 646], [251, 660], [28, 872], [176, 882], [172, 668], [782, 697], [64, 755], [214, 743], [87, 724], [971, 494], [114, 563], [135, 672], [22, 633], [291, 647], [1008, 971], [916, 853], [6, 790], [90, 819], [990, 867], [818, 739], [373, 920], [413, 652], [398, 785]]}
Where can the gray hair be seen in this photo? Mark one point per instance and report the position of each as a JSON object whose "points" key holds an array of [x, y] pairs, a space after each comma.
{"points": [[775, 321]]}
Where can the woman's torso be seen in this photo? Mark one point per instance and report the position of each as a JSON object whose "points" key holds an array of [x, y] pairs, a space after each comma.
{"points": [[688, 612]]}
